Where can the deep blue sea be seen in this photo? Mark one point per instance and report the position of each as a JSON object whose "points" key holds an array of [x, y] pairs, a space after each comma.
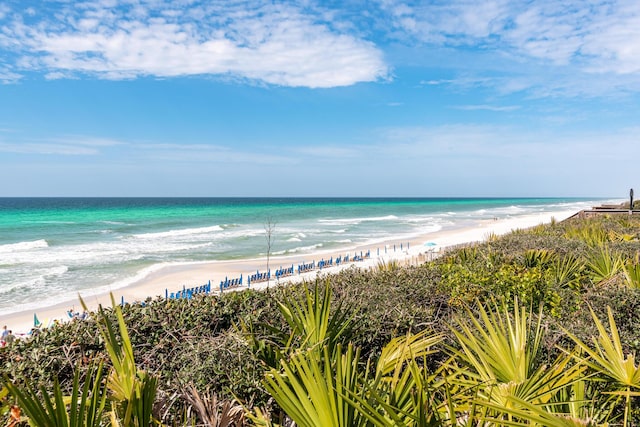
{"points": [[51, 248]]}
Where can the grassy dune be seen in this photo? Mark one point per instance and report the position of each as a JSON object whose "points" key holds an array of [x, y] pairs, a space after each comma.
{"points": [[538, 327]]}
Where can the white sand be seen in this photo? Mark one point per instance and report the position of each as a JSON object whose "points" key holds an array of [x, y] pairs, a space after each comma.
{"points": [[174, 277]]}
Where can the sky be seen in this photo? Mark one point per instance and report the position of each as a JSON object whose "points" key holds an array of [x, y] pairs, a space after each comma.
{"points": [[457, 98]]}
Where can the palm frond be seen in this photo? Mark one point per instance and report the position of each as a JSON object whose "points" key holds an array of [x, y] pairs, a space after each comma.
{"points": [[603, 264], [85, 407], [498, 358]]}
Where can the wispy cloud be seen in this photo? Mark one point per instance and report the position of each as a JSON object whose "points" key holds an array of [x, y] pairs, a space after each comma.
{"points": [[207, 154], [544, 48], [492, 145], [596, 35], [88, 141], [505, 108], [47, 149], [437, 82], [8, 76], [61, 146], [278, 44], [327, 151]]}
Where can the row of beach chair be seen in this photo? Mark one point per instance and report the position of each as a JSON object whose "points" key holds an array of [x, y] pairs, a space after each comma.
{"points": [[188, 293], [227, 283]]}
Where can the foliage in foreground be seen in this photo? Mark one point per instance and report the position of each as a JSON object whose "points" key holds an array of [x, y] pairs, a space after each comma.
{"points": [[198, 348], [129, 391]]}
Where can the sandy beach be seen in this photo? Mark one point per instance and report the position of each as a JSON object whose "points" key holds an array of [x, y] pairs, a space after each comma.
{"points": [[172, 278]]}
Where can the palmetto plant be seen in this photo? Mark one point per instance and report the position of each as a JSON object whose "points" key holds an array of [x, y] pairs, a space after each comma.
{"points": [[566, 270], [620, 237], [538, 258], [85, 407], [603, 264], [590, 233], [132, 390], [390, 265], [318, 388], [122, 397], [497, 359], [632, 274], [311, 323], [313, 387], [607, 359], [466, 255], [322, 382], [526, 414], [580, 402]]}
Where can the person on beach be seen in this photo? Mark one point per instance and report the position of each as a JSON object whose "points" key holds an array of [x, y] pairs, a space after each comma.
{"points": [[5, 332], [9, 338]]}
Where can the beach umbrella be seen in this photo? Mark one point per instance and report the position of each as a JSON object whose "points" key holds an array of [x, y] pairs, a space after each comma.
{"points": [[36, 322]]}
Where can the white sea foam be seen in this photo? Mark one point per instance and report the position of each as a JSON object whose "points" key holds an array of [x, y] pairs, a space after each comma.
{"points": [[299, 249], [33, 279], [429, 229], [418, 219], [294, 239], [344, 241], [179, 232], [355, 221], [101, 253], [23, 246], [57, 271]]}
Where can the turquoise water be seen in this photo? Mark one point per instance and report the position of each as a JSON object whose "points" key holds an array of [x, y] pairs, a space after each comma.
{"points": [[52, 248]]}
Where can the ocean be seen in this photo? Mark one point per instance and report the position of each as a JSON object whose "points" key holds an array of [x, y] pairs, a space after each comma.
{"points": [[52, 248]]}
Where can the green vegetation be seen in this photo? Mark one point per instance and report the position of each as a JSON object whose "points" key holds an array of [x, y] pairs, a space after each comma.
{"points": [[538, 327]]}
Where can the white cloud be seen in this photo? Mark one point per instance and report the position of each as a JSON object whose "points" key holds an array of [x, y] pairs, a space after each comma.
{"points": [[276, 44], [326, 151], [594, 36], [4, 11], [88, 141], [47, 149], [74, 145], [437, 82], [496, 108], [8, 76], [545, 47], [207, 154], [500, 146]]}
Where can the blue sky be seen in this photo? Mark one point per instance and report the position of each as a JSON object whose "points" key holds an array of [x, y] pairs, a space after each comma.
{"points": [[304, 98]]}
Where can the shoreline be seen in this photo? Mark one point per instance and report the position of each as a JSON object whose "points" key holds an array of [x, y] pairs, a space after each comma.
{"points": [[174, 277]]}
